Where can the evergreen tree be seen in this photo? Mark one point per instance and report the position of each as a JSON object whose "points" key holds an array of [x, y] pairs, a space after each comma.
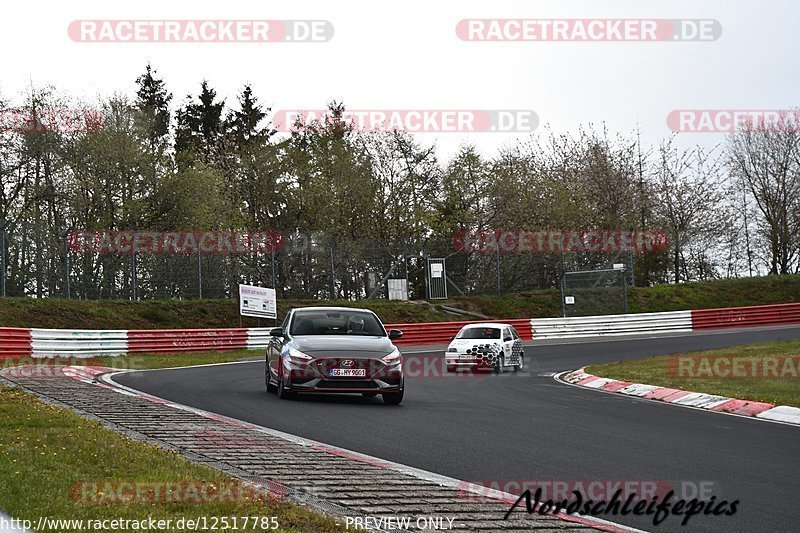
{"points": [[152, 102], [199, 124]]}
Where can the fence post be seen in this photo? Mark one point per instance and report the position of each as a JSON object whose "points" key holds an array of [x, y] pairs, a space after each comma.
{"points": [[333, 269], [199, 276], [498, 268], [3, 227], [133, 274], [272, 255], [625, 290], [66, 261]]}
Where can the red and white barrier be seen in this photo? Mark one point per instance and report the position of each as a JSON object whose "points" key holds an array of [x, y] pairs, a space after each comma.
{"points": [[722, 404], [16, 343], [598, 326]]}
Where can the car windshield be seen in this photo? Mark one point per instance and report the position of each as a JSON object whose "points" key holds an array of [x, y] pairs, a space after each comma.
{"points": [[479, 333], [336, 323]]}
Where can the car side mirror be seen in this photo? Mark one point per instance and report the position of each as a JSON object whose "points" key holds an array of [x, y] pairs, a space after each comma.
{"points": [[276, 332], [453, 338], [395, 333]]}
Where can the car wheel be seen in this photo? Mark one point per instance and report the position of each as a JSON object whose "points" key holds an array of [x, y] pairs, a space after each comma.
{"points": [[284, 394], [451, 368], [518, 367], [270, 386], [369, 394], [499, 363], [392, 398]]}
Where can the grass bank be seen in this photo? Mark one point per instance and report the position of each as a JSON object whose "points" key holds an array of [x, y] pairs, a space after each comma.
{"points": [[710, 378], [49, 458], [178, 314]]}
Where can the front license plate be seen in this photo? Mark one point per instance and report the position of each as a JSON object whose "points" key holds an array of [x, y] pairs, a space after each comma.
{"points": [[465, 356], [348, 372]]}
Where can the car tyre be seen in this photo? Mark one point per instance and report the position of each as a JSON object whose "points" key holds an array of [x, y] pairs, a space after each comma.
{"points": [[284, 394], [392, 398], [499, 363], [451, 369], [518, 367], [270, 386]]}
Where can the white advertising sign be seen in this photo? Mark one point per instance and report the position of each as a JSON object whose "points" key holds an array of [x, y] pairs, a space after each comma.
{"points": [[436, 270], [257, 301], [398, 289], [569, 300]]}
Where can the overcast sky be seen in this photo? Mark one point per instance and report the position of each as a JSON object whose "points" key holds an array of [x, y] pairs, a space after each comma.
{"points": [[406, 55]]}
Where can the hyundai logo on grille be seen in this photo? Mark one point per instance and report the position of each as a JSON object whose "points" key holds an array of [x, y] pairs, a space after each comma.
{"points": [[347, 362]]}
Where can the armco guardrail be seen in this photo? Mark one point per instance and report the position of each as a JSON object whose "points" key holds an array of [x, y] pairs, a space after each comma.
{"points": [[593, 326], [16, 343], [442, 332], [762, 315]]}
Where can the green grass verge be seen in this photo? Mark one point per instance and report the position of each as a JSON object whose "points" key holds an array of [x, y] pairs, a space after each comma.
{"points": [[179, 314], [144, 361], [149, 361], [656, 371], [45, 451]]}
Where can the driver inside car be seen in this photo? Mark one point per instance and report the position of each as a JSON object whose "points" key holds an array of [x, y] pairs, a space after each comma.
{"points": [[355, 326]]}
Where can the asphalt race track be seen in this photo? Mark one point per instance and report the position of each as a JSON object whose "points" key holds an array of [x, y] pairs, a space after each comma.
{"points": [[530, 427]]}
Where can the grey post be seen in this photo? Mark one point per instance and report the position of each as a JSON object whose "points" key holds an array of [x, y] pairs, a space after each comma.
{"points": [[66, 261], [333, 269], [3, 227], [133, 274], [498, 268], [199, 276]]}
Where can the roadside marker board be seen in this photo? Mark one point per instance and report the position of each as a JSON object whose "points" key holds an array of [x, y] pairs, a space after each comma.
{"points": [[257, 301]]}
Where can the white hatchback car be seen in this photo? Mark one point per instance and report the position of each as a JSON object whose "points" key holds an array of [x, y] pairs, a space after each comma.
{"points": [[489, 345]]}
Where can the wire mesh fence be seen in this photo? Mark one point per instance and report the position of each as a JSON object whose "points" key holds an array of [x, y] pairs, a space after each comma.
{"points": [[120, 265], [595, 292]]}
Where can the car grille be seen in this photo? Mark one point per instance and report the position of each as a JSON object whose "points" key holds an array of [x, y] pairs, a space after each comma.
{"points": [[347, 384], [370, 365]]}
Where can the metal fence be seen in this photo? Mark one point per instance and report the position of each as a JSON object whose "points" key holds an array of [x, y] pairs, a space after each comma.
{"points": [[38, 263], [595, 292]]}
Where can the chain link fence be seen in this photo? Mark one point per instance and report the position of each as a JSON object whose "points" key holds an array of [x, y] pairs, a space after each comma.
{"points": [[38, 263]]}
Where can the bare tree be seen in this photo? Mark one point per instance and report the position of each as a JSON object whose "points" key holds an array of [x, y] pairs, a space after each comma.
{"points": [[767, 159], [689, 200]]}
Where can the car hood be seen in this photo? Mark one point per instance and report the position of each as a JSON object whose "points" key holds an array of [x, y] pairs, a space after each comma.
{"points": [[342, 345], [463, 344]]}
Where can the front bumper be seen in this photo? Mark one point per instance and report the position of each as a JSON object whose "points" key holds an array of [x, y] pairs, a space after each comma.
{"points": [[454, 360], [476, 356], [314, 376]]}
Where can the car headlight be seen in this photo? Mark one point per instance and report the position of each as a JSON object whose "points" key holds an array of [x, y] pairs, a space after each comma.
{"points": [[393, 358], [296, 356], [452, 349]]}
